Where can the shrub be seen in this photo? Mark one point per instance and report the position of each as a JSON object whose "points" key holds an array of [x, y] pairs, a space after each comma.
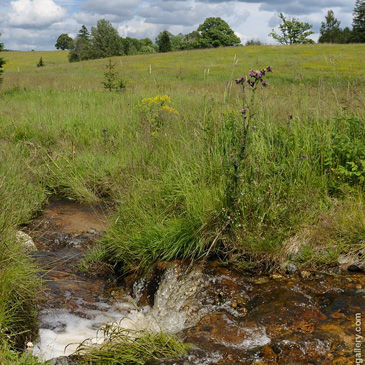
{"points": [[253, 42], [345, 160]]}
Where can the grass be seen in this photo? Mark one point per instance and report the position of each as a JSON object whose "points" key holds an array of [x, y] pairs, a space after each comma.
{"points": [[132, 347], [338, 231], [10, 357], [20, 197], [178, 183]]}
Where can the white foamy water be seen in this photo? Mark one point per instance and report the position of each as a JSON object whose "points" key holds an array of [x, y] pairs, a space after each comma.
{"points": [[177, 305], [61, 331], [175, 301]]}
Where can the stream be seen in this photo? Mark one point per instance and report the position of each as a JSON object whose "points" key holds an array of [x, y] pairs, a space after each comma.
{"points": [[230, 317]]}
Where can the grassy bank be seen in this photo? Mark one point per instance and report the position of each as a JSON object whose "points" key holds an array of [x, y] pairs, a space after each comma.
{"points": [[168, 152], [20, 197]]}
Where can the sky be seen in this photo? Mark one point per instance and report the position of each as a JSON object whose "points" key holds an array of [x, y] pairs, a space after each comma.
{"points": [[36, 24]]}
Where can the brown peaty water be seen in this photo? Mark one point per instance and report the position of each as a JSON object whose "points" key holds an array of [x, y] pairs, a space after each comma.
{"points": [[231, 318]]}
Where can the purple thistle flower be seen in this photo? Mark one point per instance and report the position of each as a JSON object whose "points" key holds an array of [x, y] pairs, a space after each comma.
{"points": [[255, 74], [269, 69], [241, 80], [254, 128], [264, 83], [244, 111]]}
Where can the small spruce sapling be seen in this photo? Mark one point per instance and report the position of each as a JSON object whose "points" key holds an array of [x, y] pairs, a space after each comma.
{"points": [[40, 63], [111, 81]]}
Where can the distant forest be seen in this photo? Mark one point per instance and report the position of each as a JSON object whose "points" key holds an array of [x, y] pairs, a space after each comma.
{"points": [[105, 41]]}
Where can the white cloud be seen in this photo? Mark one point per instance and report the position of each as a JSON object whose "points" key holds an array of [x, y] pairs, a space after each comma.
{"points": [[189, 13], [35, 13], [124, 8], [137, 28], [28, 39], [88, 19], [36, 24]]}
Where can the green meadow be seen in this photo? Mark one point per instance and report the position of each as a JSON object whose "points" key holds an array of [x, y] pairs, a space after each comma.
{"points": [[187, 174]]}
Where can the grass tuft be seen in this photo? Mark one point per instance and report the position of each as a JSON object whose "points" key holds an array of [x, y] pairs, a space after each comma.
{"points": [[125, 346]]}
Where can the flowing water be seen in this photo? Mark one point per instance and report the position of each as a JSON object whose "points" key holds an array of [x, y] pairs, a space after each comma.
{"points": [[230, 318]]}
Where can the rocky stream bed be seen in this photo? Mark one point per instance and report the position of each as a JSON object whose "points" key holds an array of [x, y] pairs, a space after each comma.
{"points": [[231, 318]]}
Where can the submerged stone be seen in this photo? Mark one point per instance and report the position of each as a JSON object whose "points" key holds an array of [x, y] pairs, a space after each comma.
{"points": [[26, 241], [291, 268], [354, 262]]}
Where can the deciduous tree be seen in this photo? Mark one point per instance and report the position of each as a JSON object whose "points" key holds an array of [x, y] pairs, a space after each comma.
{"points": [[192, 40], [215, 32], [105, 40], [64, 41], [292, 31]]}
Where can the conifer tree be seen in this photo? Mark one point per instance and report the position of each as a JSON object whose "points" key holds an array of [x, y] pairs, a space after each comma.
{"points": [[81, 47], [330, 29], [165, 42], [358, 22]]}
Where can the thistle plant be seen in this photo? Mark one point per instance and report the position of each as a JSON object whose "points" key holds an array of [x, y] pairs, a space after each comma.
{"points": [[253, 80], [238, 134], [250, 82]]}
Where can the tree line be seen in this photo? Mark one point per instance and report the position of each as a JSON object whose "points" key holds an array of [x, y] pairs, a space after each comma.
{"points": [[293, 31], [331, 32], [104, 41]]}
